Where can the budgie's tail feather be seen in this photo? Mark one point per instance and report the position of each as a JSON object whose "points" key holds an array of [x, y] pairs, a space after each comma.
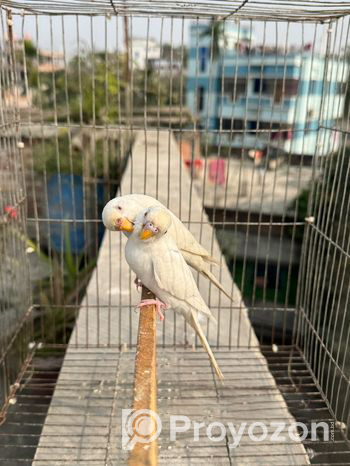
{"points": [[203, 318], [216, 282], [211, 260], [196, 326]]}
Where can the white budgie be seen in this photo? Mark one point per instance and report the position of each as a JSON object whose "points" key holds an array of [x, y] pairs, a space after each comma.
{"points": [[120, 214], [153, 255]]}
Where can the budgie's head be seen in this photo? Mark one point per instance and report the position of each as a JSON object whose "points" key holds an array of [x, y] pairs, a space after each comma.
{"points": [[119, 214], [155, 222]]}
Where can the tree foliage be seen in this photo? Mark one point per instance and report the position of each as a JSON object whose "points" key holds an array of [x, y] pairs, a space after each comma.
{"points": [[216, 32], [92, 89]]}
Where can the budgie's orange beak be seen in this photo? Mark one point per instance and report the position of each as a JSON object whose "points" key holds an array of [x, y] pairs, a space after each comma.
{"points": [[123, 224], [146, 234]]}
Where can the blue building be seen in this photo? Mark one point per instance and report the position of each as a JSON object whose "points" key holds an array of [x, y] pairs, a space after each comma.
{"points": [[245, 89]]}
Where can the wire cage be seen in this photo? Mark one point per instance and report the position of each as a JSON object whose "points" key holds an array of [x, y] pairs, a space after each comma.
{"points": [[236, 116]]}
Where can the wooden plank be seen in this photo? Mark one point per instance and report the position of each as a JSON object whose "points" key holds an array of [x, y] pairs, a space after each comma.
{"points": [[145, 380]]}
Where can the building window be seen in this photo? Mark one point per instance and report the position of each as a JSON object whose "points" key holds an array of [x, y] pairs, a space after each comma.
{"points": [[259, 86], [252, 126], [275, 87], [268, 125], [227, 124], [233, 88], [340, 88], [279, 90], [290, 87], [313, 87], [200, 98], [202, 59], [238, 124]]}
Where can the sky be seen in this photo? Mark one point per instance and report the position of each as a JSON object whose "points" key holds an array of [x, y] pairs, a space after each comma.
{"points": [[54, 29]]}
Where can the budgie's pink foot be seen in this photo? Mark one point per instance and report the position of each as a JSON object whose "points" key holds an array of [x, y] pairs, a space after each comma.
{"points": [[159, 306], [138, 283]]}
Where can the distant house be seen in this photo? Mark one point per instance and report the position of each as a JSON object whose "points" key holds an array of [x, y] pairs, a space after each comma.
{"points": [[50, 62], [247, 88], [143, 50], [165, 66], [242, 90], [18, 94]]}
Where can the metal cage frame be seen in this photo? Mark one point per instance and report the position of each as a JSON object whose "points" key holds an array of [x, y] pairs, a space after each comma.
{"points": [[139, 125]]}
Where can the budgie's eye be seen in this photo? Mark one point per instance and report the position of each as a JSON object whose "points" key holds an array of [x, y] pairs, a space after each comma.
{"points": [[119, 207]]}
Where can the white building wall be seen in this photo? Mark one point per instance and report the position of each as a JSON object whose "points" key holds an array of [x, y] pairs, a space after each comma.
{"points": [[142, 50]]}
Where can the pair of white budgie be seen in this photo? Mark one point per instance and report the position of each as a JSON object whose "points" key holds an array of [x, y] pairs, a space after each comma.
{"points": [[158, 249]]}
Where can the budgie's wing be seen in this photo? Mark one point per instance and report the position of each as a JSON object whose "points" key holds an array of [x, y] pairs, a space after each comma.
{"points": [[187, 242], [184, 239], [173, 275]]}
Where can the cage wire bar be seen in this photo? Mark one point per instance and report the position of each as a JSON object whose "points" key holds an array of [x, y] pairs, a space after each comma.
{"points": [[84, 117]]}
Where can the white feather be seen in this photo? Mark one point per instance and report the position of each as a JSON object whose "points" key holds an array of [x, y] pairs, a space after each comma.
{"points": [[160, 266], [194, 253]]}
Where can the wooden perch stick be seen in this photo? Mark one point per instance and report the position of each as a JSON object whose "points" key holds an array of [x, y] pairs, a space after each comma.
{"points": [[145, 379]]}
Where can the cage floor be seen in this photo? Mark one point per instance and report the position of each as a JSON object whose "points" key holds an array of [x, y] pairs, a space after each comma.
{"points": [[84, 421]]}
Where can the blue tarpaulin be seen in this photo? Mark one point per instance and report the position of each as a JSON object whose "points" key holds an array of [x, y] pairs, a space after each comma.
{"points": [[65, 199]]}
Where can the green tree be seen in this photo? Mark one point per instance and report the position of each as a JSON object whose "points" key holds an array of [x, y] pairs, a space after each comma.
{"points": [[178, 53], [216, 32], [29, 48], [92, 89], [157, 88]]}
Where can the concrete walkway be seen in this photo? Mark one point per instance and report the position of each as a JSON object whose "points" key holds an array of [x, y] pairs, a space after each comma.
{"points": [[83, 425]]}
